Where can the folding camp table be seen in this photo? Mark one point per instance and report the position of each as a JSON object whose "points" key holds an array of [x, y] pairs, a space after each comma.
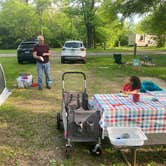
{"points": [[120, 111], [156, 139]]}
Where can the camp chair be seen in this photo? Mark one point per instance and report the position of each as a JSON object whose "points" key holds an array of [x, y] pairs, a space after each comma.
{"points": [[136, 64], [149, 86], [118, 59], [4, 92], [146, 59]]}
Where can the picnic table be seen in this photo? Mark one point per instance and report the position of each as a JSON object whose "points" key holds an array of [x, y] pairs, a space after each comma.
{"points": [[120, 111]]}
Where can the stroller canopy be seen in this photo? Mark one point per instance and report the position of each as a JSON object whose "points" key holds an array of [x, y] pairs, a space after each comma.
{"points": [[4, 92]]}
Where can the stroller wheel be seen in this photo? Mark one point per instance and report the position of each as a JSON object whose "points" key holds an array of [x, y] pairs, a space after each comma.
{"points": [[95, 151], [68, 151], [58, 118]]}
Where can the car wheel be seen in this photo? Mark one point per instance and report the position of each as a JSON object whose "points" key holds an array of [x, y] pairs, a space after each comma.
{"points": [[20, 61], [34, 61], [62, 60]]}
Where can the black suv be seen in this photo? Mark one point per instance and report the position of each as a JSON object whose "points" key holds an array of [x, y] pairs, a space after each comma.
{"points": [[24, 51]]}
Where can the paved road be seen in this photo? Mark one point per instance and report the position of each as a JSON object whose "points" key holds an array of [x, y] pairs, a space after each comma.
{"points": [[144, 52], [7, 55]]}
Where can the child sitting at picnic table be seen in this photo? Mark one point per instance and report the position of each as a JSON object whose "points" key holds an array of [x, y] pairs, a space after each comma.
{"points": [[132, 85]]}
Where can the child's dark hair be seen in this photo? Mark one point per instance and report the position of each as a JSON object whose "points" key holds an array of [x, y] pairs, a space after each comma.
{"points": [[136, 83]]}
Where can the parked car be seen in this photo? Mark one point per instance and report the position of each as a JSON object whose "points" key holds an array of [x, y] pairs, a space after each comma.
{"points": [[73, 51], [24, 51]]}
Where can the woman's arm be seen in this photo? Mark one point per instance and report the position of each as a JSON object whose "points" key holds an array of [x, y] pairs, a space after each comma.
{"points": [[133, 92]]}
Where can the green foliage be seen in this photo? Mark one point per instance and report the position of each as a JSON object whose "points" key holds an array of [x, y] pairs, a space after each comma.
{"points": [[93, 21], [154, 22], [15, 25], [131, 7]]}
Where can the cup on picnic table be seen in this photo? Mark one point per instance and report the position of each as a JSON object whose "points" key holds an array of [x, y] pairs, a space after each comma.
{"points": [[136, 97]]}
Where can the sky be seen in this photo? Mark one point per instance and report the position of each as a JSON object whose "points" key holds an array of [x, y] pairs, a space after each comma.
{"points": [[137, 18]]}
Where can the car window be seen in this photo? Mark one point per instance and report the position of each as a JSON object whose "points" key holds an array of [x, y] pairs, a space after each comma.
{"points": [[73, 45], [27, 45]]}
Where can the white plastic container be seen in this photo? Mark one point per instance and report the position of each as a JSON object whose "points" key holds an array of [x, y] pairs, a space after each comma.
{"points": [[24, 81], [126, 136]]}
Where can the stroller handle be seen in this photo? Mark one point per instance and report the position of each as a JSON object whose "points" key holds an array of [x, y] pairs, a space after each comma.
{"points": [[80, 73], [66, 73]]}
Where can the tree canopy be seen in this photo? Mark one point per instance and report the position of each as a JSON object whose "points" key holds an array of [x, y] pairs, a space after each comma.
{"points": [[95, 22], [154, 22]]}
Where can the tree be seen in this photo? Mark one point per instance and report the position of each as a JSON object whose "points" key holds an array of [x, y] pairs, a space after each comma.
{"points": [[87, 8], [110, 28], [155, 24], [130, 7], [41, 6], [20, 23], [93, 21], [155, 10]]}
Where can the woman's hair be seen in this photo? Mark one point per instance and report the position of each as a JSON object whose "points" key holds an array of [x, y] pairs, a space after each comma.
{"points": [[136, 83]]}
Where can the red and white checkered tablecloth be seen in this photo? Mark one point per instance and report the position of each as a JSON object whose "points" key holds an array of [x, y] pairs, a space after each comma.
{"points": [[119, 111]]}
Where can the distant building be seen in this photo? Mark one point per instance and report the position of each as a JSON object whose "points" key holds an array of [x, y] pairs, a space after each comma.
{"points": [[142, 40]]}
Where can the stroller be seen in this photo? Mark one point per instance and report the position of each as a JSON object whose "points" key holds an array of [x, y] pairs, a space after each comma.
{"points": [[80, 124]]}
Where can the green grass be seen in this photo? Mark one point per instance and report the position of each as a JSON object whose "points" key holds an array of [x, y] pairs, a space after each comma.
{"points": [[121, 49], [125, 49], [98, 50], [13, 69], [28, 134], [8, 51], [104, 67]]}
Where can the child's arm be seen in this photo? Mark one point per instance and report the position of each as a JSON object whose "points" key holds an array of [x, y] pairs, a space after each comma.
{"points": [[133, 92]]}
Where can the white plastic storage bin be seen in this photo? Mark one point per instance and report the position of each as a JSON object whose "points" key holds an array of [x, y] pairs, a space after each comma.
{"points": [[126, 136], [24, 81]]}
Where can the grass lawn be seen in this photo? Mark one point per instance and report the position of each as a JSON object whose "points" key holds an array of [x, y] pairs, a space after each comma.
{"points": [[8, 51], [126, 49], [98, 50], [28, 134]]}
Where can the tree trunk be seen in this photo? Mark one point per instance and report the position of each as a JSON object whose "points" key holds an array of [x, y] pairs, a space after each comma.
{"points": [[94, 36], [89, 30], [88, 12]]}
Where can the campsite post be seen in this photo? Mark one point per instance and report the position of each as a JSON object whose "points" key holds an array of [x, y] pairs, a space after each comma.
{"points": [[135, 49]]}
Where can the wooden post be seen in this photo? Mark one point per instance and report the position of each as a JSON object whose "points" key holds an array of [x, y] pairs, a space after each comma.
{"points": [[104, 45], [135, 49]]}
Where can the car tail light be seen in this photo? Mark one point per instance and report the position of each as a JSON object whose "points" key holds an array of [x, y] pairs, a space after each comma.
{"points": [[82, 49], [63, 49]]}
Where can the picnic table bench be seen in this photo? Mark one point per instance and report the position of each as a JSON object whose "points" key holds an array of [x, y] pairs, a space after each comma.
{"points": [[120, 111]]}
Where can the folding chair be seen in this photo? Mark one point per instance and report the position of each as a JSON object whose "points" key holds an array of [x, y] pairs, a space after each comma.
{"points": [[118, 59], [136, 64]]}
